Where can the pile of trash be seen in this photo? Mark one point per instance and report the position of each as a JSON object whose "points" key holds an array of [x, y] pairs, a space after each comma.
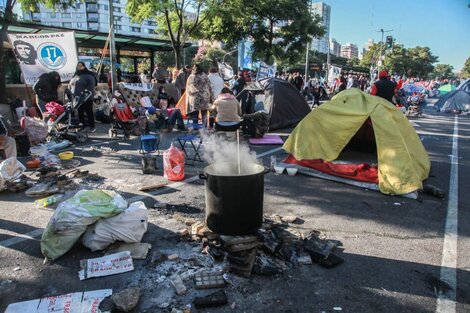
{"points": [[101, 216]]}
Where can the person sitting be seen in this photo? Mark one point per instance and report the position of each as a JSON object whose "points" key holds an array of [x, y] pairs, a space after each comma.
{"points": [[7, 143], [164, 114], [228, 111], [255, 125]]}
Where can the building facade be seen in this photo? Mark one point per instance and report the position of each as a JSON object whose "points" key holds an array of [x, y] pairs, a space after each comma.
{"points": [[93, 16], [335, 48], [324, 11], [349, 51]]}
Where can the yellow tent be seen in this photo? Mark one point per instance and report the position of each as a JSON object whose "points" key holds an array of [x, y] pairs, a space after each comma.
{"points": [[403, 162]]}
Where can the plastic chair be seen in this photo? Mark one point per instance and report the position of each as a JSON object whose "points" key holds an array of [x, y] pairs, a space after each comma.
{"points": [[149, 144]]}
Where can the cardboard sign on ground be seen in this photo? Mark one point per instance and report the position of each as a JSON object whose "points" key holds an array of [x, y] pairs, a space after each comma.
{"points": [[78, 302], [108, 265]]}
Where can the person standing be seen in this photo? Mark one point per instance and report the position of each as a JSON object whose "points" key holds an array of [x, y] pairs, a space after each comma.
{"points": [[182, 78], [160, 74], [217, 83], [46, 89], [383, 87], [83, 80], [239, 84], [198, 94]]}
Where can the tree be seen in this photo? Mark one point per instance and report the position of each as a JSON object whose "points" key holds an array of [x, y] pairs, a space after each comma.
{"points": [[208, 57], [7, 18], [371, 56], [177, 19], [397, 61], [279, 29], [443, 71], [466, 69], [421, 62]]}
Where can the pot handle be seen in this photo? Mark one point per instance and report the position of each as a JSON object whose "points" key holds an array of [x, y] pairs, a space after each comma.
{"points": [[202, 176], [266, 170]]}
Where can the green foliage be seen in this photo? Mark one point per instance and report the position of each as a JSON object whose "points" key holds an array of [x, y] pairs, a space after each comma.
{"points": [[443, 71], [421, 62], [177, 20], [397, 60], [416, 62], [208, 57], [279, 29], [466, 69]]}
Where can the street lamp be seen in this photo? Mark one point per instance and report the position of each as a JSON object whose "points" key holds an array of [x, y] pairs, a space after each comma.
{"points": [[382, 44], [112, 48]]}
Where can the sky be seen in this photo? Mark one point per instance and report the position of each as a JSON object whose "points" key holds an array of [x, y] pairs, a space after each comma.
{"points": [[441, 25]]}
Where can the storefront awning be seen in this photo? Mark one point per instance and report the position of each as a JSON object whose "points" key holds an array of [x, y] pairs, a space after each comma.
{"points": [[93, 39]]}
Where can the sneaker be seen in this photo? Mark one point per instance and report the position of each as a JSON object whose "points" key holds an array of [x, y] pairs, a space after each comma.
{"points": [[92, 130]]}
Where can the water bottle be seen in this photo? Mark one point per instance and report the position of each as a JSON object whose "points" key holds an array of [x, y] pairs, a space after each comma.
{"points": [[42, 203]]}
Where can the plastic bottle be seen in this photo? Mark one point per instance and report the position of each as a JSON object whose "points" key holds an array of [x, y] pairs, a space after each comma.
{"points": [[173, 164], [42, 203]]}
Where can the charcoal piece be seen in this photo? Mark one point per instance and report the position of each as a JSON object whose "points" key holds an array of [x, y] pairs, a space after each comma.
{"points": [[216, 253], [329, 262], [321, 248], [265, 266], [214, 299]]}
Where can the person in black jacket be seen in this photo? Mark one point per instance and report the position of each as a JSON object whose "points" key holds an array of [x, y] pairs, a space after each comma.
{"points": [[384, 87], [46, 89], [84, 79]]}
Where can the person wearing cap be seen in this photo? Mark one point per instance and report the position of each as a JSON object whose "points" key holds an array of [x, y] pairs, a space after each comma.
{"points": [[383, 87], [7, 144]]}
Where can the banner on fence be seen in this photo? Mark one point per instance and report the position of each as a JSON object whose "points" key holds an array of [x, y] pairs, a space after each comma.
{"points": [[44, 53]]}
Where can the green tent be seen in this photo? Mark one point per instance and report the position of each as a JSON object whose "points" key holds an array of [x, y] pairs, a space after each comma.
{"points": [[446, 88]]}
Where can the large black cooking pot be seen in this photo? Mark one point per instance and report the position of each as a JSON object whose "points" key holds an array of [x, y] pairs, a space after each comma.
{"points": [[234, 202]]}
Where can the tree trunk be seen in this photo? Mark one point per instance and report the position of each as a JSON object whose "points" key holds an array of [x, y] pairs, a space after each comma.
{"points": [[3, 37], [177, 49], [7, 18]]}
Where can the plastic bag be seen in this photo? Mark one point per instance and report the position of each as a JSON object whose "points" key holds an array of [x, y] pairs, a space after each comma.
{"points": [[36, 129], [10, 170], [173, 164], [129, 226], [72, 217]]}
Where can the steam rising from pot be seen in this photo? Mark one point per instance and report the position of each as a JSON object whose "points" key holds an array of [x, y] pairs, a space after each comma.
{"points": [[224, 154]]}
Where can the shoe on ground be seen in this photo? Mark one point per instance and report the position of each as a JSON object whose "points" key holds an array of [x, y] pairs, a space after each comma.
{"points": [[92, 130]]}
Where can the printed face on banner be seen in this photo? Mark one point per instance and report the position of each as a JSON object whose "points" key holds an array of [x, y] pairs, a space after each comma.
{"points": [[43, 53]]}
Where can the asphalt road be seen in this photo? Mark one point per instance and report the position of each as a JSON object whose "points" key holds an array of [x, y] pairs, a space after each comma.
{"points": [[392, 246]]}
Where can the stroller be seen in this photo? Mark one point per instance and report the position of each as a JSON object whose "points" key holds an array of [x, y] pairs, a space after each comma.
{"points": [[61, 123], [123, 118]]}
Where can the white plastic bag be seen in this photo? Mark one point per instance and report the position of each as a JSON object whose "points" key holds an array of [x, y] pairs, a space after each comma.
{"points": [[72, 217], [10, 170], [129, 226]]}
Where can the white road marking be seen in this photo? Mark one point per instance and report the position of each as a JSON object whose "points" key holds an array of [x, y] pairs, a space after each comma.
{"points": [[446, 300], [38, 232], [21, 237]]}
